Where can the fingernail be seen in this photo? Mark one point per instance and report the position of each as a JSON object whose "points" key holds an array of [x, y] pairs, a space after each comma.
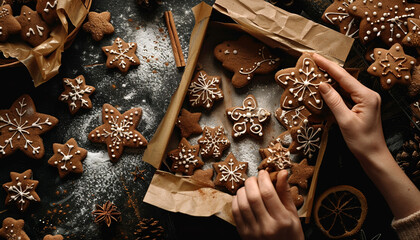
{"points": [[324, 88]]}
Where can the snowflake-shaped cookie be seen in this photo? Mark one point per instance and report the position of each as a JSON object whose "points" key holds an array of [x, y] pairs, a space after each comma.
{"points": [[392, 66], [301, 85], [338, 14], [306, 138], [231, 173], [277, 158], [248, 118], [76, 93], [12, 229], [185, 158], [68, 157], [118, 131], [385, 19], [21, 190], [213, 142], [121, 55], [204, 90], [20, 127]]}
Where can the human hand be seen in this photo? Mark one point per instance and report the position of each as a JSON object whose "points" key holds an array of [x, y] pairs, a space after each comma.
{"points": [[361, 125], [264, 212]]}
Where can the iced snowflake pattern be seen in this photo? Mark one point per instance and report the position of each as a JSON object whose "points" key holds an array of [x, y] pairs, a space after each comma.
{"points": [[20, 195], [279, 157], [204, 91], [231, 173], [121, 54], [77, 93], [213, 142], [309, 138], [352, 29], [21, 189]]}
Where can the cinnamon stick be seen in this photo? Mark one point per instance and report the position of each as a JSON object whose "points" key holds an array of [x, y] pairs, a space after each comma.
{"points": [[173, 35]]}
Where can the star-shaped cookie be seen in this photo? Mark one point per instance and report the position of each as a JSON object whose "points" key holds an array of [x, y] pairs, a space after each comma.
{"points": [[98, 25], [21, 190], [55, 237], [12, 229], [213, 142], [68, 157], [118, 131], [412, 39], [248, 118], [204, 177], [20, 127], [48, 10], [121, 55], [301, 173], [338, 14], [188, 123], [185, 158], [231, 174], [34, 30], [204, 90], [292, 117], [392, 66], [301, 85], [76, 93], [8, 24], [306, 139], [277, 158], [385, 19]]}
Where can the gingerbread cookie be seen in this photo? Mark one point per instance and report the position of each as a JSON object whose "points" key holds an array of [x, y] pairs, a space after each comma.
{"points": [[48, 10], [338, 14], [204, 177], [306, 138], [276, 158], [55, 237], [213, 142], [245, 57], [12, 229], [121, 55], [185, 158], [34, 30], [386, 19], [415, 108], [204, 90], [118, 131], [300, 174], [8, 24], [301, 85], [248, 118], [292, 117], [392, 66], [68, 158], [297, 198], [188, 123], [76, 93], [412, 39], [414, 87], [21, 126], [231, 174], [21, 190], [98, 25]]}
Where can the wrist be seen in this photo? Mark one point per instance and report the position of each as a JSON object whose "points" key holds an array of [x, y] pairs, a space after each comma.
{"points": [[375, 157]]}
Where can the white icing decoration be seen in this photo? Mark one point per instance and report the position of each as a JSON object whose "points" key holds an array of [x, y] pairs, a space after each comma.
{"points": [[31, 31], [186, 157], [4, 12], [296, 114], [417, 105], [213, 141], [66, 157], [384, 63], [307, 137], [204, 91], [248, 113], [21, 195], [341, 15], [52, 6], [20, 128], [121, 54], [256, 65], [279, 156], [231, 174], [76, 93]]}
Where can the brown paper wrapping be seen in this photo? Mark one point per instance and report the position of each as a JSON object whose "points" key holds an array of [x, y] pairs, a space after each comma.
{"points": [[276, 28], [44, 60]]}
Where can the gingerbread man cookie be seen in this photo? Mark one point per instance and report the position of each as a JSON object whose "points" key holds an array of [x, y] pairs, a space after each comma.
{"points": [[213, 142], [8, 24], [277, 158], [98, 25], [392, 66], [118, 131], [301, 85], [12, 229], [204, 90], [306, 138], [21, 126], [248, 118], [384, 19], [338, 14], [245, 57], [48, 10], [185, 158], [21, 190], [68, 157], [121, 55], [76, 93], [34, 30], [187, 122]]}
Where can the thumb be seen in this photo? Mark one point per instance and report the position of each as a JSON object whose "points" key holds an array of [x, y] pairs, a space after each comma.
{"points": [[335, 102], [283, 190]]}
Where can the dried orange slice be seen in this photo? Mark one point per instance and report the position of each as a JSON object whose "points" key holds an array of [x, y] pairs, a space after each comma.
{"points": [[340, 211]]}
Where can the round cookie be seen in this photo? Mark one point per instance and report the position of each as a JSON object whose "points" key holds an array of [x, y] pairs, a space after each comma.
{"points": [[34, 30], [8, 24]]}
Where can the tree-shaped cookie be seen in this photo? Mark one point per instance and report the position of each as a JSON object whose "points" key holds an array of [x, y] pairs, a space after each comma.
{"points": [[118, 131], [185, 158], [121, 55], [204, 90], [34, 30], [68, 157], [245, 57], [13, 229], [76, 93], [301, 85], [392, 66], [231, 174], [338, 14], [21, 190], [20, 127], [213, 142], [8, 24]]}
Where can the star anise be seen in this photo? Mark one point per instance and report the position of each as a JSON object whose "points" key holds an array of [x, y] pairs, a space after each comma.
{"points": [[149, 228], [107, 213], [138, 174]]}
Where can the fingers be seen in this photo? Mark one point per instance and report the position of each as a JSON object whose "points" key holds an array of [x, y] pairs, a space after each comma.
{"points": [[245, 208], [335, 102], [283, 191], [346, 81], [254, 193], [268, 193], [237, 213]]}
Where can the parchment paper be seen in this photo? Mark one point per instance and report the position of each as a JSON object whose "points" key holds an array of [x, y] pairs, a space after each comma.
{"points": [[44, 60]]}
